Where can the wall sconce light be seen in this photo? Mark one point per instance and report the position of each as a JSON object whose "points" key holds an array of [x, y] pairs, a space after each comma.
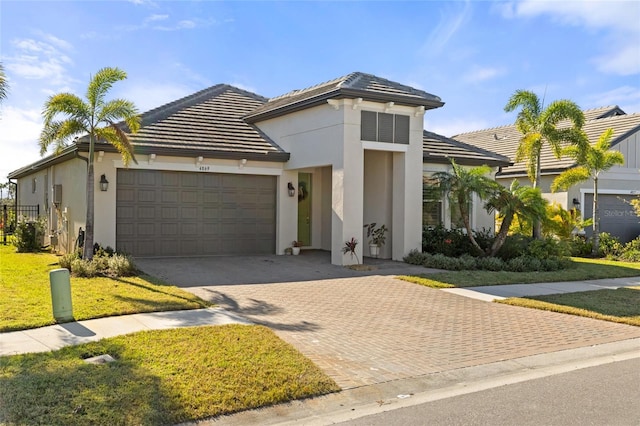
{"points": [[292, 190], [576, 203], [104, 183]]}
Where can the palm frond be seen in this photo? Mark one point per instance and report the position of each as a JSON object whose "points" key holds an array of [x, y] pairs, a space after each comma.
{"points": [[59, 133], [570, 177], [65, 104], [3, 84], [101, 83]]}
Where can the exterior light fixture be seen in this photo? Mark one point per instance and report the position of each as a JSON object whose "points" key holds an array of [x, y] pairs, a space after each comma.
{"points": [[292, 189], [576, 203], [104, 183]]}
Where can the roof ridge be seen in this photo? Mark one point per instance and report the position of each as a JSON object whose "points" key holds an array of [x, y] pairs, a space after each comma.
{"points": [[308, 89], [483, 130], [470, 146]]}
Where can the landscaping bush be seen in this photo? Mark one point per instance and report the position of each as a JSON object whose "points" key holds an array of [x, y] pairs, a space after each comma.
{"points": [[105, 262], [580, 246], [514, 246], [29, 234], [546, 248], [453, 242], [610, 246], [490, 263]]}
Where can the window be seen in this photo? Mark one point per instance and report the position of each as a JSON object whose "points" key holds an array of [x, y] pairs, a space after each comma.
{"points": [[431, 204], [382, 127], [33, 185]]}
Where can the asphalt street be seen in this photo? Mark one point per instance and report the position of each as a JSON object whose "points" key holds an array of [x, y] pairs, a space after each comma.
{"points": [[604, 395]]}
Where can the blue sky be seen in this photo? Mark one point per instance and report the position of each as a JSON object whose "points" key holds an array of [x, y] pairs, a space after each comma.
{"points": [[472, 54]]}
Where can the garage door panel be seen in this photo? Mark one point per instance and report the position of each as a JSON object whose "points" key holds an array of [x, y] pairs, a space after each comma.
{"points": [[617, 216], [162, 213]]}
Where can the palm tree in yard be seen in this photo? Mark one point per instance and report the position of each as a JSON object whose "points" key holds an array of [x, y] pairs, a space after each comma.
{"points": [[460, 184], [539, 126], [591, 160], [3, 84], [523, 201], [67, 116]]}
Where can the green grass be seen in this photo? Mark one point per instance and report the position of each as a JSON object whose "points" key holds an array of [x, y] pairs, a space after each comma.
{"points": [[26, 296], [585, 269], [621, 305], [159, 377]]}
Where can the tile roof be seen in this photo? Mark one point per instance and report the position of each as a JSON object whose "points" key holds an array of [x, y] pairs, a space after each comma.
{"points": [[504, 140], [209, 122], [440, 149], [354, 85]]}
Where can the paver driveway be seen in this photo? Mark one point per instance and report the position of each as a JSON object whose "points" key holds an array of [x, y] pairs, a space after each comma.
{"points": [[371, 329]]}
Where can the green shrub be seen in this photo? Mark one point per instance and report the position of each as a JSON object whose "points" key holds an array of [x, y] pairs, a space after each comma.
{"points": [[414, 258], [121, 265], [580, 246], [453, 242], [632, 245], [610, 246], [468, 262], [83, 268], [66, 259], [29, 234], [490, 264], [514, 246], [546, 248], [631, 255]]}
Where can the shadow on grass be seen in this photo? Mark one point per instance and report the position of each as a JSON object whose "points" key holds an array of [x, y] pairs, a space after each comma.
{"points": [[155, 286], [59, 388]]}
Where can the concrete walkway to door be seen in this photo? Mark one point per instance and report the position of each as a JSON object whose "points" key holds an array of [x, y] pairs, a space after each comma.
{"points": [[367, 327]]}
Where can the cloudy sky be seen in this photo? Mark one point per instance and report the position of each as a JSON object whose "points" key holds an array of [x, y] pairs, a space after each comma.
{"points": [[473, 54]]}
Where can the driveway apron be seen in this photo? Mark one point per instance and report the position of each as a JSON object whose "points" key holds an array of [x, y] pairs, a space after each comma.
{"points": [[371, 329]]}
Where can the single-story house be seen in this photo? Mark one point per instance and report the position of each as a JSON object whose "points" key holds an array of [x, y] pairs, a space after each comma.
{"points": [[616, 187], [226, 171]]}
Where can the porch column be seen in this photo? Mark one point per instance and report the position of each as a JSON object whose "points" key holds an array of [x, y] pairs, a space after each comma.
{"points": [[407, 204]]}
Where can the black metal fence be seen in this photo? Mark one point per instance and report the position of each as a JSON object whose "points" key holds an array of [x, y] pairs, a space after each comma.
{"points": [[9, 216]]}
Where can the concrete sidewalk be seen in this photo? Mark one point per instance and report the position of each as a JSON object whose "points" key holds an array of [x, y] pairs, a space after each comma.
{"points": [[54, 337], [499, 292]]}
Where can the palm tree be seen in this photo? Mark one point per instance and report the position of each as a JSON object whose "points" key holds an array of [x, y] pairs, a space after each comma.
{"points": [[3, 84], [524, 201], [539, 126], [460, 184], [591, 160], [67, 116]]}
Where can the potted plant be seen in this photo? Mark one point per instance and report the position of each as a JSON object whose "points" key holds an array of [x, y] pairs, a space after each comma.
{"points": [[296, 247], [377, 238]]}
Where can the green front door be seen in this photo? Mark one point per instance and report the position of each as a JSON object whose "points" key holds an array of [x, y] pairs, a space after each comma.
{"points": [[304, 208]]}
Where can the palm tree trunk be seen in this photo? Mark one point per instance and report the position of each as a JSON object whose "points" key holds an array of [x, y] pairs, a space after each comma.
{"points": [[502, 234], [596, 218], [537, 223], [88, 234], [467, 225]]}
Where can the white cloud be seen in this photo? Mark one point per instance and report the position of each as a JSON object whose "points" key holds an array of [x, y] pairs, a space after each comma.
{"points": [[478, 74], [449, 24], [619, 21], [626, 97], [148, 96], [40, 59], [19, 130], [162, 22]]}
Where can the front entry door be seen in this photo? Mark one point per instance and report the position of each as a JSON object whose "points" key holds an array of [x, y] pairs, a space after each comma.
{"points": [[304, 208]]}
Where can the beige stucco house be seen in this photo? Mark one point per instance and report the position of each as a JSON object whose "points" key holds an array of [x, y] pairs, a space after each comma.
{"points": [[226, 171], [616, 187]]}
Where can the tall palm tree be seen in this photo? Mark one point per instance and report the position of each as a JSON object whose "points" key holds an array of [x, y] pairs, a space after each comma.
{"points": [[524, 201], [4, 86], [539, 126], [460, 184], [591, 160], [67, 116]]}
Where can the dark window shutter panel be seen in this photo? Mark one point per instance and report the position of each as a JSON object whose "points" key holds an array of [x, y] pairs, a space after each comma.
{"points": [[368, 126], [385, 127], [402, 129]]}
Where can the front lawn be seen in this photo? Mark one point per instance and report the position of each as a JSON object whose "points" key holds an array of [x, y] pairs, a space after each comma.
{"points": [[621, 305], [585, 269], [26, 295], [158, 377]]}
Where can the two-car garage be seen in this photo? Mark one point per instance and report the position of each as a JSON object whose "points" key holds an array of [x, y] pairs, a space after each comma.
{"points": [[174, 213], [617, 216]]}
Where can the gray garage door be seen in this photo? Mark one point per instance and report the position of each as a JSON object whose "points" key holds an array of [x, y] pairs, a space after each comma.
{"points": [[163, 213], [617, 216]]}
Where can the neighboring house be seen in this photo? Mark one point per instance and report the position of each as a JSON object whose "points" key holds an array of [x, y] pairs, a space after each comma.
{"points": [[438, 151], [616, 187], [227, 172]]}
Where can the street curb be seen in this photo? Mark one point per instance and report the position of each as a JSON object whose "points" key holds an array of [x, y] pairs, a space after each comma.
{"points": [[368, 400]]}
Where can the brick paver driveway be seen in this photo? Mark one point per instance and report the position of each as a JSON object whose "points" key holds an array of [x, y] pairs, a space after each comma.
{"points": [[372, 329]]}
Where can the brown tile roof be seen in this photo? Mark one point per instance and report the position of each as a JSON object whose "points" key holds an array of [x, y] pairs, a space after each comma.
{"points": [[504, 140], [354, 85], [208, 123], [440, 149]]}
